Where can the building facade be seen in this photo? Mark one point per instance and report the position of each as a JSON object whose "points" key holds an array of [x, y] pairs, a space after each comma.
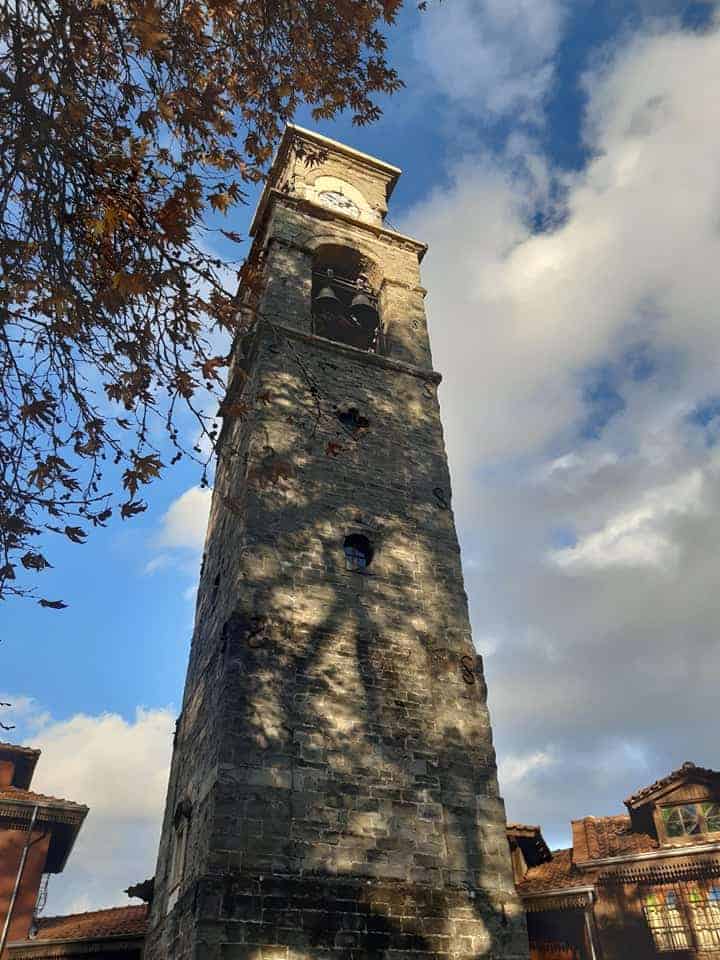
{"points": [[37, 835], [333, 790], [640, 885]]}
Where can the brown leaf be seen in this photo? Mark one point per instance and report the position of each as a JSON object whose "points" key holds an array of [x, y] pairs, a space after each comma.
{"points": [[76, 534], [212, 365], [232, 235], [220, 201], [34, 561], [131, 508]]}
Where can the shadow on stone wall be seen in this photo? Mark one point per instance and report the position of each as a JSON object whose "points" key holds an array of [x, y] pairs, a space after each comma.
{"points": [[356, 810]]}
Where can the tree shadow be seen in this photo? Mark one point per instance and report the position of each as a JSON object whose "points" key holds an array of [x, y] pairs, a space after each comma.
{"points": [[338, 715]]}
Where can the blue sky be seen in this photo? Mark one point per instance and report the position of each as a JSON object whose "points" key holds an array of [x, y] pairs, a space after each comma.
{"points": [[561, 158]]}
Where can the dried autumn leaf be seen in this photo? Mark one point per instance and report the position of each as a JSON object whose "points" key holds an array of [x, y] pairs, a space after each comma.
{"points": [[120, 141], [132, 508], [76, 534], [220, 201], [34, 561]]}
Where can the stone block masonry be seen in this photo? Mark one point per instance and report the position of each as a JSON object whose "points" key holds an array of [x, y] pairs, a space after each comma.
{"points": [[333, 791]]}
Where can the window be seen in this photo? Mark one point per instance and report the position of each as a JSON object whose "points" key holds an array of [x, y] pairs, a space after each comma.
{"points": [[345, 311], [684, 916], [344, 302], [181, 824], [666, 921], [177, 868], [358, 552], [691, 819], [704, 908]]}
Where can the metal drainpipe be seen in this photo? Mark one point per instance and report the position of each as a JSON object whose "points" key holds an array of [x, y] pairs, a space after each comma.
{"points": [[590, 928], [18, 880]]}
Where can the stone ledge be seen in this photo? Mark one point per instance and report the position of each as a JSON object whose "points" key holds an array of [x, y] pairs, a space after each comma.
{"points": [[372, 359]]}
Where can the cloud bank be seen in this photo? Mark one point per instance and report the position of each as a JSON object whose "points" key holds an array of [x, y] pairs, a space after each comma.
{"points": [[492, 56], [582, 415]]}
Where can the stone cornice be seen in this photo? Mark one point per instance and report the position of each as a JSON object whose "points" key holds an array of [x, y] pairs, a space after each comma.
{"points": [[391, 237], [363, 356]]}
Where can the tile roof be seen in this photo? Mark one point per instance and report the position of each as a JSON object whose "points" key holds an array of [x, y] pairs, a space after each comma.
{"points": [[595, 838], [688, 769], [115, 922], [559, 873], [29, 796], [530, 840], [17, 748]]}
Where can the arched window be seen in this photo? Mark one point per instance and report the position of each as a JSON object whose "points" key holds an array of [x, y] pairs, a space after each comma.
{"points": [[344, 303], [358, 552], [181, 825]]}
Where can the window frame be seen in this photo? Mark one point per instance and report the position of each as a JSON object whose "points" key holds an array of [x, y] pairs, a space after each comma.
{"points": [[691, 923], [355, 551], [345, 289], [665, 811], [178, 852]]}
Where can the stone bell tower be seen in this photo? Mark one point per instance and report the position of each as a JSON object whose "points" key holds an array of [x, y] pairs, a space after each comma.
{"points": [[333, 791]]}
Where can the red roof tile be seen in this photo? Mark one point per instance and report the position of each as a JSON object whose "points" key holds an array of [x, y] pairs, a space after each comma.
{"points": [[29, 796], [115, 922], [686, 771], [559, 873], [595, 838]]}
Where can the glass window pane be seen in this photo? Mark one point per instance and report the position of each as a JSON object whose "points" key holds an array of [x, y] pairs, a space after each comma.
{"points": [[711, 813], [674, 826], [691, 819], [666, 921], [704, 911]]}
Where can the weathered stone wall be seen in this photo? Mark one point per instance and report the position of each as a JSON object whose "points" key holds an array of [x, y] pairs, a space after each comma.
{"points": [[335, 745]]}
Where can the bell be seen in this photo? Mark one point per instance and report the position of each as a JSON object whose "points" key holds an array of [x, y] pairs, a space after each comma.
{"points": [[328, 301], [364, 310]]}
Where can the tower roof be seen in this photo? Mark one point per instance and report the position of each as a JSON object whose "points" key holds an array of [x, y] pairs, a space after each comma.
{"points": [[294, 134]]}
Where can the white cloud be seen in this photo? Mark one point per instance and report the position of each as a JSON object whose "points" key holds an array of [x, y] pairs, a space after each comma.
{"points": [[185, 522], [588, 496], [119, 769], [638, 537], [513, 769], [492, 56]]}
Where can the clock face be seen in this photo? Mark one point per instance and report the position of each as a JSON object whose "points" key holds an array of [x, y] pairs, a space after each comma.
{"points": [[331, 198]]}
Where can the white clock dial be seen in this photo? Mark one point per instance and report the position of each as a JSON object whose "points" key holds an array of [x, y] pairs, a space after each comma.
{"points": [[331, 198]]}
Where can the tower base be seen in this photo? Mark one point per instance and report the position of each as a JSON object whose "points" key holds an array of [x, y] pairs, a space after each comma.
{"points": [[336, 918]]}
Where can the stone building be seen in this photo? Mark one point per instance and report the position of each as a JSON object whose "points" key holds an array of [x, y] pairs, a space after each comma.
{"points": [[639, 885], [333, 790]]}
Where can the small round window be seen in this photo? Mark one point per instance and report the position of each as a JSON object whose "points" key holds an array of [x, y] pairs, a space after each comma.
{"points": [[358, 552]]}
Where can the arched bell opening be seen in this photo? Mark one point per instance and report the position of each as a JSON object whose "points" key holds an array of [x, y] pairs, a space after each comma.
{"points": [[344, 299]]}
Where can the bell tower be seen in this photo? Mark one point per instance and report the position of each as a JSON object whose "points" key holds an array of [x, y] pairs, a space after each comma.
{"points": [[333, 791]]}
